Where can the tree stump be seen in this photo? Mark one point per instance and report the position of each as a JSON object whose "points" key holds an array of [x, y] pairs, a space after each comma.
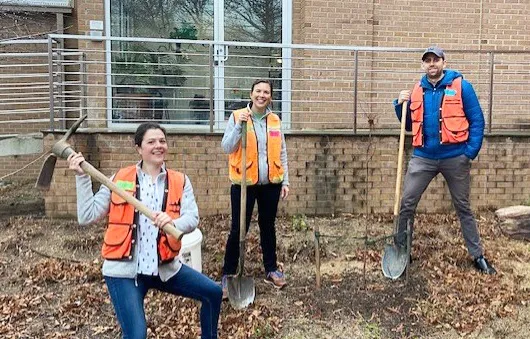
{"points": [[514, 221]]}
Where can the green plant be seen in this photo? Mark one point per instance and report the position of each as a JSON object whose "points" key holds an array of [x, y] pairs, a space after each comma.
{"points": [[372, 331], [141, 65], [186, 31], [265, 332], [299, 223], [153, 64]]}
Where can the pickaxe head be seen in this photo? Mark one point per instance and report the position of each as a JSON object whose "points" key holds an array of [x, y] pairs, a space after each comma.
{"points": [[61, 149]]}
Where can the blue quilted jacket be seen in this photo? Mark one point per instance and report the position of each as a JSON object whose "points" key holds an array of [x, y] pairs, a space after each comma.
{"points": [[433, 95]]}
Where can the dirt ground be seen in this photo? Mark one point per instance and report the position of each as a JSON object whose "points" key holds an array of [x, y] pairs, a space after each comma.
{"points": [[51, 284]]}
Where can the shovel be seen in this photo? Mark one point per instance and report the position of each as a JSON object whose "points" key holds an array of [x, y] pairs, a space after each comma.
{"points": [[241, 290], [62, 150], [396, 258]]}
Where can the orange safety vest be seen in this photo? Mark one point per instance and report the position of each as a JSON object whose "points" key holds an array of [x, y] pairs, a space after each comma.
{"points": [[120, 236], [274, 147], [454, 126]]}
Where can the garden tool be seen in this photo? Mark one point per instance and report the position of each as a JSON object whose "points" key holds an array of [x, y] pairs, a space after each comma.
{"points": [[241, 290], [395, 257], [62, 149]]}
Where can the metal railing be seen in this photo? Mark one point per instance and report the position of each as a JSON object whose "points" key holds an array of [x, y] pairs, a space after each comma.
{"points": [[194, 85], [24, 90], [26, 74]]}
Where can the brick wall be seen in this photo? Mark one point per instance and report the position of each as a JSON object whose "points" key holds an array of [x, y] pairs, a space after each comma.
{"points": [[457, 25], [83, 12], [468, 25], [329, 174]]}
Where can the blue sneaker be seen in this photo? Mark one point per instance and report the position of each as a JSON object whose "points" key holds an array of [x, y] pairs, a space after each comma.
{"points": [[276, 279]]}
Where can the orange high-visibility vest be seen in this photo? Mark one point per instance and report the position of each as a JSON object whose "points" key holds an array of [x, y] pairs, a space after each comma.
{"points": [[274, 147], [454, 126], [120, 236]]}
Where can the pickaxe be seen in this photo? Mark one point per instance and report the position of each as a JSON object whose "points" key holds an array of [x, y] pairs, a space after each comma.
{"points": [[62, 149]]}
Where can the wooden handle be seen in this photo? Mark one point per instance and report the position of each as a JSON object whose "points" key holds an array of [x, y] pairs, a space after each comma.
{"points": [[317, 254], [243, 206], [243, 202], [169, 228], [400, 156]]}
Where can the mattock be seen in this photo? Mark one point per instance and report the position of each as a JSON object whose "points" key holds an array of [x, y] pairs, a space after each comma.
{"points": [[62, 150]]}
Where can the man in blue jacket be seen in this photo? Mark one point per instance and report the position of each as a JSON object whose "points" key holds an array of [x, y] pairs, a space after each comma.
{"points": [[447, 127]]}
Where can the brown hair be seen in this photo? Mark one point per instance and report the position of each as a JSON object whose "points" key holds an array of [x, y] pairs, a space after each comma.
{"points": [[261, 81], [143, 128]]}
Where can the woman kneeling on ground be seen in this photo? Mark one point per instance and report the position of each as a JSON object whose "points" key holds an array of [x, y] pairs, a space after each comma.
{"points": [[138, 255]]}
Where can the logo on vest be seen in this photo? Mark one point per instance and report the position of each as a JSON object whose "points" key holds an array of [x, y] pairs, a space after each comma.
{"points": [[450, 92], [126, 185]]}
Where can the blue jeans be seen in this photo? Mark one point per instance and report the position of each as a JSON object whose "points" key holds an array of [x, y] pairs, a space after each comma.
{"points": [[128, 299]]}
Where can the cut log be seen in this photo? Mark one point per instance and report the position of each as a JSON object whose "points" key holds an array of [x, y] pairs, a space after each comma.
{"points": [[513, 212]]}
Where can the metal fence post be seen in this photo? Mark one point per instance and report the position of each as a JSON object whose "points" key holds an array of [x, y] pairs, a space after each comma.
{"points": [[84, 89], [210, 58], [50, 79], [61, 82], [490, 104], [356, 77]]}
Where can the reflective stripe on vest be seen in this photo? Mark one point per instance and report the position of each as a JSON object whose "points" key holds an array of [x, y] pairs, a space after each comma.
{"points": [[274, 147], [120, 236], [454, 126]]}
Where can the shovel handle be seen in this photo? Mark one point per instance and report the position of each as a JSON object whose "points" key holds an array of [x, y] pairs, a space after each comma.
{"points": [[243, 202], [400, 156]]}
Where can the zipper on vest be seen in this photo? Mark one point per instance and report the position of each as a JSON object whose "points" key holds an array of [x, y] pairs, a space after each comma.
{"points": [[440, 116], [257, 147]]}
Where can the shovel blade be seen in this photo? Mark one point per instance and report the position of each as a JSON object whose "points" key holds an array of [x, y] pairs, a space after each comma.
{"points": [[241, 291], [46, 173], [395, 261]]}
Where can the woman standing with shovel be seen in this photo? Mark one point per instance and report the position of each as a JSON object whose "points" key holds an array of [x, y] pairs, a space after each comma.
{"points": [[266, 177], [138, 255]]}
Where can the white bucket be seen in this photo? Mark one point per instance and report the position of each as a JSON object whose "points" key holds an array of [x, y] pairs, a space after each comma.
{"points": [[190, 252]]}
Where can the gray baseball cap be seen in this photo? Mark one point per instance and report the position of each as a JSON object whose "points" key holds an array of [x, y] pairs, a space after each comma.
{"points": [[434, 50]]}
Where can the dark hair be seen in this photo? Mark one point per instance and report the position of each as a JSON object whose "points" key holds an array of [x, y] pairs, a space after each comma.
{"points": [[140, 131], [261, 81]]}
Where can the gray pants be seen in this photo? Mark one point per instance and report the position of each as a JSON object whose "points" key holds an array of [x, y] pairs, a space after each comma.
{"points": [[420, 173]]}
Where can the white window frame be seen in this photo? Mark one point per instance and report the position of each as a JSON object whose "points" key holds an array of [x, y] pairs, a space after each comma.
{"points": [[287, 24]]}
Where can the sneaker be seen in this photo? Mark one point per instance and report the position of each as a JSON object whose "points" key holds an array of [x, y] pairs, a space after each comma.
{"points": [[276, 279], [483, 266], [224, 286]]}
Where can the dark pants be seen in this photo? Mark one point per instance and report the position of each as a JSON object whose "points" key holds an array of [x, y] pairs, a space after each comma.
{"points": [[267, 197], [128, 300], [455, 170]]}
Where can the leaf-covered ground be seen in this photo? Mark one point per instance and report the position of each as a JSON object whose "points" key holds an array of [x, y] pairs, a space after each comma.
{"points": [[51, 284]]}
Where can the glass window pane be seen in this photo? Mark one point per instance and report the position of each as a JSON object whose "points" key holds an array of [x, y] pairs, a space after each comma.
{"points": [[252, 21], [168, 82]]}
